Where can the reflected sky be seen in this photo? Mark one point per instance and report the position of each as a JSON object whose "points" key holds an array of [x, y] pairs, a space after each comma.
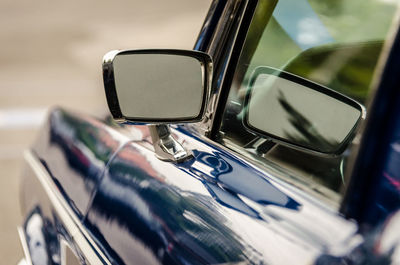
{"points": [[309, 30]]}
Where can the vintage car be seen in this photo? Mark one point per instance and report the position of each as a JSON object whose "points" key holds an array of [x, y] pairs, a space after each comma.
{"points": [[275, 141]]}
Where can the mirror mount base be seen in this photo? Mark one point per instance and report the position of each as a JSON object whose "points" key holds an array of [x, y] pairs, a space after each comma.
{"points": [[166, 147]]}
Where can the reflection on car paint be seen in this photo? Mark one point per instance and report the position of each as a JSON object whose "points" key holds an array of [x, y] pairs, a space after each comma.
{"points": [[387, 195], [232, 176], [381, 246], [36, 240], [197, 212], [75, 151], [41, 239], [174, 223]]}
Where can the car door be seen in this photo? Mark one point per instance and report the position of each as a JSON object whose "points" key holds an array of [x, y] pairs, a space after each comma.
{"points": [[243, 198]]}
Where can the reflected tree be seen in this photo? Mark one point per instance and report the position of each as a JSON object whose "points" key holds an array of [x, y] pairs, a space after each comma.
{"points": [[310, 135]]}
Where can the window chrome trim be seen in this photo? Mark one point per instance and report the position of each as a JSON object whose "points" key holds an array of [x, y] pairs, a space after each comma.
{"points": [[24, 244], [230, 12], [72, 224]]}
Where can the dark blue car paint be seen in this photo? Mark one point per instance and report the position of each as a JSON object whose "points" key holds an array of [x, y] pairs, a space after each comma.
{"points": [[209, 25], [148, 211], [36, 204], [80, 149], [207, 210], [211, 209], [365, 198]]}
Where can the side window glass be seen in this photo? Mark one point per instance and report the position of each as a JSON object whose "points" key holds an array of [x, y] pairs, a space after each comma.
{"points": [[336, 44]]}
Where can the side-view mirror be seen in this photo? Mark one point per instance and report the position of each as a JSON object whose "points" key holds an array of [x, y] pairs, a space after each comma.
{"points": [[293, 111], [158, 87]]}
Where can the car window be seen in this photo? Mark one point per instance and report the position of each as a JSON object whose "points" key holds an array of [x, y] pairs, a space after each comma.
{"points": [[336, 44]]}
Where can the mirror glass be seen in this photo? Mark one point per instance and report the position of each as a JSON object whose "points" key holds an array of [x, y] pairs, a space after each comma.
{"points": [[158, 86], [296, 111]]}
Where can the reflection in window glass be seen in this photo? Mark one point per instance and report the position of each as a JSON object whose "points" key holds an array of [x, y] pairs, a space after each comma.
{"points": [[334, 43]]}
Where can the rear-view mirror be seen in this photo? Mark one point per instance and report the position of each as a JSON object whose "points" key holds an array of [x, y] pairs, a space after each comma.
{"points": [[157, 86], [297, 112]]}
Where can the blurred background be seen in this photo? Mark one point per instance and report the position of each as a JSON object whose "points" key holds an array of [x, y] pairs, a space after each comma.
{"points": [[51, 54]]}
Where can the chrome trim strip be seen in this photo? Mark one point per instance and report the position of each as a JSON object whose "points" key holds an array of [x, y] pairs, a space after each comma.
{"points": [[205, 126], [22, 262], [24, 244], [72, 224], [63, 255]]}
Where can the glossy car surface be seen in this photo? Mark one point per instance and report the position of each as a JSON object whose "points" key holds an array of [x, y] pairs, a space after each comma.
{"points": [[94, 192]]}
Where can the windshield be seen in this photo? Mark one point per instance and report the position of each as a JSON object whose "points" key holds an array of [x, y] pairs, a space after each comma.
{"points": [[336, 44]]}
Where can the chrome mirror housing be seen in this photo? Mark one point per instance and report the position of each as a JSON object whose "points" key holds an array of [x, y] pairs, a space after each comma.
{"points": [[158, 87]]}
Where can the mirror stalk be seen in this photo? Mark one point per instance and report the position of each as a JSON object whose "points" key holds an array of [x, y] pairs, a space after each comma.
{"points": [[165, 146]]}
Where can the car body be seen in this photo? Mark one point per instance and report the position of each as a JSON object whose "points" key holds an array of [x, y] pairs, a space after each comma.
{"points": [[94, 192]]}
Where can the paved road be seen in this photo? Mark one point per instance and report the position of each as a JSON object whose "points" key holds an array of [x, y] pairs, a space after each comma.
{"points": [[50, 54]]}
